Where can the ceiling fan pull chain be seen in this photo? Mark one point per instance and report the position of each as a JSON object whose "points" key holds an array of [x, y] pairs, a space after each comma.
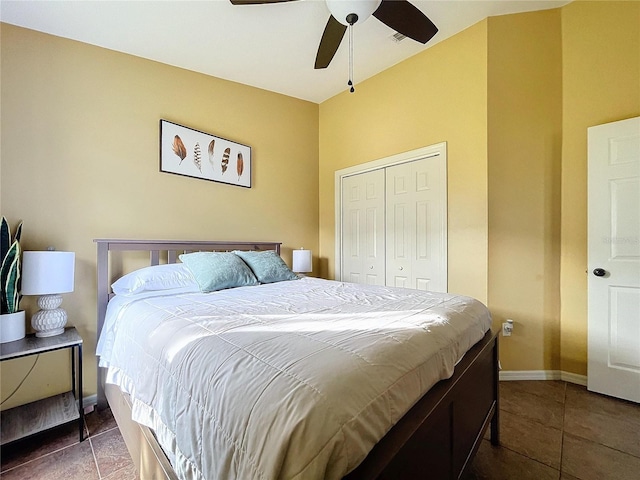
{"points": [[350, 82]]}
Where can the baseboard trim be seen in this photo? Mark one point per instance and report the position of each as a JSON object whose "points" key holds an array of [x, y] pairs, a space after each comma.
{"points": [[508, 375]]}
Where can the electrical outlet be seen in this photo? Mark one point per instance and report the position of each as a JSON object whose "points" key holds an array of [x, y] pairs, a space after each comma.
{"points": [[507, 328]]}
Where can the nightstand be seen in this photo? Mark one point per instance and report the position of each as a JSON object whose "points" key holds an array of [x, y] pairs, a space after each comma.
{"points": [[50, 412]]}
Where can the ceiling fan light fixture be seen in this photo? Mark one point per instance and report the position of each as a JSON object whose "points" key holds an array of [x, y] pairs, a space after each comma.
{"points": [[342, 9]]}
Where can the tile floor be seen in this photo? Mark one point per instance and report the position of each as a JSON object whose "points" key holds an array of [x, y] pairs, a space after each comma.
{"points": [[58, 455], [549, 430], [560, 431]]}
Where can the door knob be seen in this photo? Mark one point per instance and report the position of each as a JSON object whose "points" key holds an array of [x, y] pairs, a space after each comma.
{"points": [[401, 268], [599, 272]]}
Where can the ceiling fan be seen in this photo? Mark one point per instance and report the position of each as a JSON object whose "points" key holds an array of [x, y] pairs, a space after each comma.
{"points": [[400, 15]]}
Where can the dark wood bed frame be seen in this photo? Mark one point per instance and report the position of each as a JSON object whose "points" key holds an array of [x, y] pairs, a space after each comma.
{"points": [[437, 438]]}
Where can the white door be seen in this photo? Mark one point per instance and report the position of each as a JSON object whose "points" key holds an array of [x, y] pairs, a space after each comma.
{"points": [[363, 228], [614, 259], [416, 203]]}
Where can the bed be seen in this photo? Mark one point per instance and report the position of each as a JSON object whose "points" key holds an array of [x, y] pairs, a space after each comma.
{"points": [[304, 378]]}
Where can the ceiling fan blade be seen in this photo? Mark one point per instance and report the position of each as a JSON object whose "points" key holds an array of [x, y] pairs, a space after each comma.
{"points": [[406, 19], [331, 39], [257, 2]]}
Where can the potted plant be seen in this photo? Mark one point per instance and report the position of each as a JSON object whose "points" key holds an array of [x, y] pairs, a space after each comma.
{"points": [[12, 324]]}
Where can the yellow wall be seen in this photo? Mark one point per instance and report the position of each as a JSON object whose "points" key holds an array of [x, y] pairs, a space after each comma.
{"points": [[79, 150], [513, 97], [524, 144], [601, 84], [438, 95]]}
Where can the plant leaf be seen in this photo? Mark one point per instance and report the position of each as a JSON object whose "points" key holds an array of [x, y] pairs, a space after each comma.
{"points": [[9, 277], [16, 238], [5, 238]]}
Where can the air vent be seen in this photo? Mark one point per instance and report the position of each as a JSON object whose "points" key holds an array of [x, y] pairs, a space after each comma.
{"points": [[397, 37]]}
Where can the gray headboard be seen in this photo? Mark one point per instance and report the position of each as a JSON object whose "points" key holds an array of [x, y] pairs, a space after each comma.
{"points": [[165, 249]]}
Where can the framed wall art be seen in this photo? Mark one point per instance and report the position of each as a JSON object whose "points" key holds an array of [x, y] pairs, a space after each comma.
{"points": [[189, 152]]}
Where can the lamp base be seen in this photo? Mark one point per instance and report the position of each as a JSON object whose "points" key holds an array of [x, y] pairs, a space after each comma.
{"points": [[49, 321], [50, 333]]}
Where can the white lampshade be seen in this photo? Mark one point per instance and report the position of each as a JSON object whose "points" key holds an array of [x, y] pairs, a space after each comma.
{"points": [[302, 261], [47, 272]]}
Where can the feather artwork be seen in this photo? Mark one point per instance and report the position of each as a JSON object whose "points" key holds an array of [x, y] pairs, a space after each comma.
{"points": [[210, 149], [225, 159], [179, 148], [197, 156], [240, 165]]}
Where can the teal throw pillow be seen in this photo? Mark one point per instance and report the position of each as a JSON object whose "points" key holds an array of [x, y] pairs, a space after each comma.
{"points": [[267, 266], [218, 270]]}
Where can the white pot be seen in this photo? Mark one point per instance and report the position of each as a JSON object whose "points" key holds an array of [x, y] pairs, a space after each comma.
{"points": [[12, 326]]}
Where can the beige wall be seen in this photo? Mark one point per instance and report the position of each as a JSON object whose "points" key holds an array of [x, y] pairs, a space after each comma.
{"points": [[524, 144], [438, 95], [601, 84], [79, 150]]}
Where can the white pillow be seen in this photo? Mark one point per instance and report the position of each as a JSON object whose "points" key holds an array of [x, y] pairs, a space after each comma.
{"points": [[174, 277]]}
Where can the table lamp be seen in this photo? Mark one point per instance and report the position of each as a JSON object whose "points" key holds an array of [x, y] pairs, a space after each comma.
{"points": [[48, 274], [302, 261]]}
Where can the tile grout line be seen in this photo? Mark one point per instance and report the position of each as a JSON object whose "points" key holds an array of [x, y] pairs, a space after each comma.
{"points": [[525, 455], [38, 458], [111, 474], [530, 458], [564, 413], [87, 438], [95, 460], [104, 431], [561, 429], [587, 439]]}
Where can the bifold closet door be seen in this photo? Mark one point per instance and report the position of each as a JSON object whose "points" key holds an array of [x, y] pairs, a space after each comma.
{"points": [[416, 210], [363, 230]]}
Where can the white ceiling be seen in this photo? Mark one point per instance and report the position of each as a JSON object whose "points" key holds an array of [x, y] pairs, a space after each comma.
{"points": [[266, 46]]}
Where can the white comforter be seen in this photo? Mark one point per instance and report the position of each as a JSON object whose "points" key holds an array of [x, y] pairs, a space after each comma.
{"points": [[292, 380]]}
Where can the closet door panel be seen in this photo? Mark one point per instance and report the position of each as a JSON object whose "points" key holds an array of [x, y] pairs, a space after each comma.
{"points": [[416, 234], [400, 225], [431, 238], [363, 228], [429, 261], [423, 246], [352, 258]]}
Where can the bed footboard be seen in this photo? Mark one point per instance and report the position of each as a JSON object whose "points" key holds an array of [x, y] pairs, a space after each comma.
{"points": [[439, 435], [442, 432]]}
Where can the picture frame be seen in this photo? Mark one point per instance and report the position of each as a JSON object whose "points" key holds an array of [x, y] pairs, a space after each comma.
{"points": [[192, 153]]}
